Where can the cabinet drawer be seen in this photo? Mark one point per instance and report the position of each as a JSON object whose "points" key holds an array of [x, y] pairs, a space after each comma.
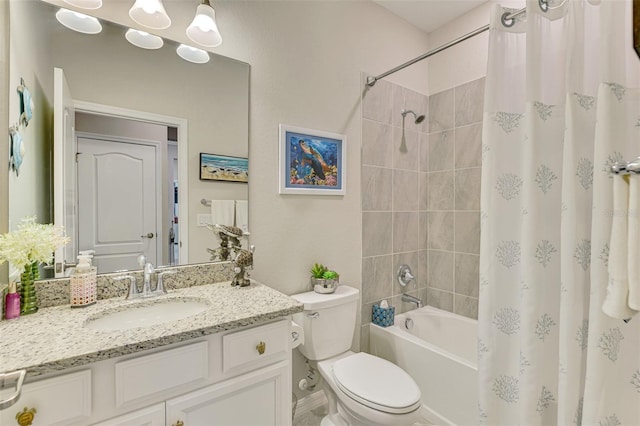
{"points": [[255, 344], [62, 400], [151, 374]]}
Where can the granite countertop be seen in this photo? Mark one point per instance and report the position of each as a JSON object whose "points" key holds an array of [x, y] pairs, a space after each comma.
{"points": [[55, 338]]}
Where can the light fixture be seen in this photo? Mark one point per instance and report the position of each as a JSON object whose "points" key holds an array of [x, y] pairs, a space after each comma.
{"points": [[143, 39], [85, 4], [150, 13], [192, 54], [78, 21], [203, 30]]}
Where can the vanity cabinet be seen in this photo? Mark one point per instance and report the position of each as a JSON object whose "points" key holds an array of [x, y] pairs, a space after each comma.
{"points": [[238, 377]]}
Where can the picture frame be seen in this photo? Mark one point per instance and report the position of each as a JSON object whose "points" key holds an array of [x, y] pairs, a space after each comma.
{"points": [[224, 168], [312, 162]]}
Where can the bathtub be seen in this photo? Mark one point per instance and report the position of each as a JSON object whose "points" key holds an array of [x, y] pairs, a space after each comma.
{"points": [[439, 352]]}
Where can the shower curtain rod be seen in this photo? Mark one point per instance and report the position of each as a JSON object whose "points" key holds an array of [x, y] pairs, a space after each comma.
{"points": [[507, 20]]}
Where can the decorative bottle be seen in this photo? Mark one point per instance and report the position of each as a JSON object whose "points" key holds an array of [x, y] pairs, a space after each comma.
{"points": [[12, 303], [83, 288]]}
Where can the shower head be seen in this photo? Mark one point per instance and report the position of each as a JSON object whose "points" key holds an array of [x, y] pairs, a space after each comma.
{"points": [[418, 118]]}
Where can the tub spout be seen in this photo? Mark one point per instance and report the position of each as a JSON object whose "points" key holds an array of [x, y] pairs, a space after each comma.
{"points": [[412, 299]]}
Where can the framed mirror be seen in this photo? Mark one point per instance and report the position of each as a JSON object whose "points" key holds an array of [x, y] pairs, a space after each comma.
{"points": [[131, 112]]}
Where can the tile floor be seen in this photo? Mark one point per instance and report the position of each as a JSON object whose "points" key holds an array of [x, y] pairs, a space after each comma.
{"points": [[314, 417]]}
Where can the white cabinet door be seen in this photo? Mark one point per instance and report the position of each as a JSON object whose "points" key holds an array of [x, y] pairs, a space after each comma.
{"points": [[259, 398], [63, 400], [150, 416]]}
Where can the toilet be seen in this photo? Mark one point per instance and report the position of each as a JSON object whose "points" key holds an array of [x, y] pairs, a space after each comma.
{"points": [[362, 389]]}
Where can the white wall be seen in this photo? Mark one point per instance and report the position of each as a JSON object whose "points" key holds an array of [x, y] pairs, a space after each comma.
{"points": [[30, 59]]}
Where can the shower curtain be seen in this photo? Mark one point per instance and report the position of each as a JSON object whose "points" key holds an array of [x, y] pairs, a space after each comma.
{"points": [[560, 108]]}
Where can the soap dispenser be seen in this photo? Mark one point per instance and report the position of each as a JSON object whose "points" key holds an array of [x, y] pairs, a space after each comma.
{"points": [[83, 289]]}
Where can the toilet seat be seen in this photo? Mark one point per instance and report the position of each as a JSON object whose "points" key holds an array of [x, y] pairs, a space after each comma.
{"points": [[376, 383]]}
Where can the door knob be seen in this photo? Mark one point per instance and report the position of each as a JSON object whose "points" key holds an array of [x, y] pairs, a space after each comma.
{"points": [[149, 235]]}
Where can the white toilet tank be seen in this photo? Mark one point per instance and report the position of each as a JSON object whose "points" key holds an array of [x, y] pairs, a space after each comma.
{"points": [[328, 321]]}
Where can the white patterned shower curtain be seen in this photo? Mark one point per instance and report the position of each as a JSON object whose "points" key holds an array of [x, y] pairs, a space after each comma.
{"points": [[560, 108]]}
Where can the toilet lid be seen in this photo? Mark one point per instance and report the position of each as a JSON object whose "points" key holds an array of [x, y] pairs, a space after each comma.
{"points": [[376, 383]]}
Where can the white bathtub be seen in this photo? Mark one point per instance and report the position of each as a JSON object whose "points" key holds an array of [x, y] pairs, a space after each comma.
{"points": [[439, 352]]}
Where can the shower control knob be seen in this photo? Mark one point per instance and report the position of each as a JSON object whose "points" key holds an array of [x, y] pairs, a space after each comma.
{"points": [[404, 275]]}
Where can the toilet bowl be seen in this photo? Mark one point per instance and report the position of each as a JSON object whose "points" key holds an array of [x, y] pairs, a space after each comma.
{"points": [[362, 389]]}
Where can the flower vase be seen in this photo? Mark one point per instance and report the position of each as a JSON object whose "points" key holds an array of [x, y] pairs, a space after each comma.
{"points": [[28, 298]]}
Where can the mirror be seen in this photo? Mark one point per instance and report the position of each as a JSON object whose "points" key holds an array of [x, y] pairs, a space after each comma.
{"points": [[205, 105]]}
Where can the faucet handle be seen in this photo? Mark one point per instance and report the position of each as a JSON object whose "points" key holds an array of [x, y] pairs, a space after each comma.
{"points": [[142, 260], [160, 283], [133, 289]]}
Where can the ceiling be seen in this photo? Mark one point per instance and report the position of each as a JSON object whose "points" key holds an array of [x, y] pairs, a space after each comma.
{"points": [[429, 15]]}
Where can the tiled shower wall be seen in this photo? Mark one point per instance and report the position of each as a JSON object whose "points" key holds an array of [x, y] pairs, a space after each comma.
{"points": [[421, 197]]}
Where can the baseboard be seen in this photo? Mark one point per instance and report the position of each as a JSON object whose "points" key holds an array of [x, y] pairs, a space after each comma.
{"points": [[311, 402]]}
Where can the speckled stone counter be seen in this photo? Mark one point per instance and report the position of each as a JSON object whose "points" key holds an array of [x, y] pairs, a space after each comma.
{"points": [[55, 338]]}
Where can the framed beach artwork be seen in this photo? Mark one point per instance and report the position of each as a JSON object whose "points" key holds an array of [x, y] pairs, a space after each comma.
{"points": [[312, 162], [224, 168]]}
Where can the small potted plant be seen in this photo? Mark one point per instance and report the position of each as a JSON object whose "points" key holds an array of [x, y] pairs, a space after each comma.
{"points": [[323, 280]]}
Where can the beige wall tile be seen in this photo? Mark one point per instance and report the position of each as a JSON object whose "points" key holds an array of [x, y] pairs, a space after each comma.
{"points": [[468, 146], [405, 231], [376, 233], [406, 196], [376, 188], [440, 152], [467, 232], [440, 229], [406, 156], [377, 278], [440, 192], [469, 102], [466, 306], [440, 299], [377, 144], [467, 274], [467, 189], [441, 111], [376, 102], [440, 267]]}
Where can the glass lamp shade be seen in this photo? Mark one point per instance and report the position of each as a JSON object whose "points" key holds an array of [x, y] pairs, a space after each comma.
{"points": [[192, 54], [143, 39], [85, 4], [150, 13], [203, 30], [78, 21]]}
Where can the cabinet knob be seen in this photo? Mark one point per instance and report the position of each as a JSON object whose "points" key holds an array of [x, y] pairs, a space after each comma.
{"points": [[178, 423], [25, 417], [262, 346]]}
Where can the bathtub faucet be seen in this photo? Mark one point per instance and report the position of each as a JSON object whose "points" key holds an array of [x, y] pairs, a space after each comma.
{"points": [[412, 299]]}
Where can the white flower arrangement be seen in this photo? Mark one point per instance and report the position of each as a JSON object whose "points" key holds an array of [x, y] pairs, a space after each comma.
{"points": [[31, 242]]}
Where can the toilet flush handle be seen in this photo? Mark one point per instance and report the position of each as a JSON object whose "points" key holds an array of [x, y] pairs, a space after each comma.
{"points": [[314, 315]]}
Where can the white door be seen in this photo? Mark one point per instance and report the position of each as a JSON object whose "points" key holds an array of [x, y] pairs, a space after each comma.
{"points": [[64, 185], [258, 398], [117, 202], [149, 416]]}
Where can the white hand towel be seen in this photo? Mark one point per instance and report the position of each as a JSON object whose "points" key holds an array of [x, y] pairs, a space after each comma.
{"points": [[615, 303], [242, 215], [222, 212], [634, 242]]}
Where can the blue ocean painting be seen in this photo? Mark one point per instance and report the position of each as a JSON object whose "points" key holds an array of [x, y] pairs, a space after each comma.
{"points": [[314, 162], [222, 167]]}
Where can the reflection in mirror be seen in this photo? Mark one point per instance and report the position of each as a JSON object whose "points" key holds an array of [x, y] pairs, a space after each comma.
{"points": [[636, 26], [139, 119]]}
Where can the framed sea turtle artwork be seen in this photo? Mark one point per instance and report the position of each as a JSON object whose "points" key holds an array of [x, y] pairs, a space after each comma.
{"points": [[312, 162]]}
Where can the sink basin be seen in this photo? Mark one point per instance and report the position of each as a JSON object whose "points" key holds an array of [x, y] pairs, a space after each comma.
{"points": [[146, 314]]}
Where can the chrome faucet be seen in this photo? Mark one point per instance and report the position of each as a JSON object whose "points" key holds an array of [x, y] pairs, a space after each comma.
{"points": [[412, 299], [148, 271]]}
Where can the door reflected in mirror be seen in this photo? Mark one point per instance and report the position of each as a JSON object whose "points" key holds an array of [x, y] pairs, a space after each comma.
{"points": [[136, 121]]}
